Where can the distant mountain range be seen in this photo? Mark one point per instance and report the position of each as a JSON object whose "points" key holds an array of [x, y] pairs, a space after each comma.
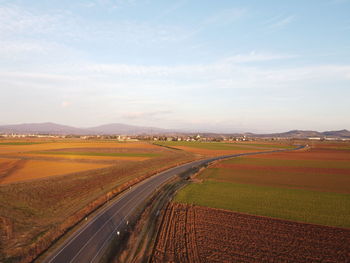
{"points": [[124, 129], [41, 128], [58, 129], [307, 134], [119, 128]]}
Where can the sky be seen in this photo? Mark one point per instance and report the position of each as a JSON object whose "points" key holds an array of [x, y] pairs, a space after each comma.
{"points": [[222, 66]]}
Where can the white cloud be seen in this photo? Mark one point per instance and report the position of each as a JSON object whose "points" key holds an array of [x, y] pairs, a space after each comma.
{"points": [[25, 30], [228, 73], [141, 33], [136, 88], [279, 22], [34, 76], [144, 94], [150, 71], [15, 48], [256, 57], [16, 20], [224, 17], [145, 114], [55, 57], [171, 9]]}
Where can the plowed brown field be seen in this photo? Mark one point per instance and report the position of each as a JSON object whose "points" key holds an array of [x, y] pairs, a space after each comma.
{"points": [[199, 234], [272, 169], [7, 165], [313, 154]]}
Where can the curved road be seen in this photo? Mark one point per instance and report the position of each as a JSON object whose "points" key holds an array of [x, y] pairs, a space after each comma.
{"points": [[89, 242]]}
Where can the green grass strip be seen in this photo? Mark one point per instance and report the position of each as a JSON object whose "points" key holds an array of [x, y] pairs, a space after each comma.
{"points": [[292, 204], [21, 143], [277, 146]]}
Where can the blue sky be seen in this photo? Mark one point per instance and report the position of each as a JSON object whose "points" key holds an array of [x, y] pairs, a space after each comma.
{"points": [[226, 66]]}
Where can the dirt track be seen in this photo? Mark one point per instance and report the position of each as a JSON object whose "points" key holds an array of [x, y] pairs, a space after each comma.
{"points": [[199, 234]]}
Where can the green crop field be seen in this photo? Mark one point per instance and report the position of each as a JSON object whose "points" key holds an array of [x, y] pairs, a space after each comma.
{"points": [[283, 186], [292, 204], [99, 154], [20, 143], [278, 146]]}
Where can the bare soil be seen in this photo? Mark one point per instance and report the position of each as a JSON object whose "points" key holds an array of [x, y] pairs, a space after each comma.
{"points": [[199, 234], [274, 169], [25, 170], [209, 152], [110, 150], [312, 154]]}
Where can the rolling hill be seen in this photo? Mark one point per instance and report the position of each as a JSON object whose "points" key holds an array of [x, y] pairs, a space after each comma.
{"points": [[125, 129]]}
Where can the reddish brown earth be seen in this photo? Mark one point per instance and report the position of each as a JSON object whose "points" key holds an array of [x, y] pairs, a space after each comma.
{"points": [[312, 154], [200, 234], [209, 152], [308, 170]]}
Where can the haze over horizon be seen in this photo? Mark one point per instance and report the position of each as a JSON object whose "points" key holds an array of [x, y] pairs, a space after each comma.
{"points": [[122, 128], [242, 66]]}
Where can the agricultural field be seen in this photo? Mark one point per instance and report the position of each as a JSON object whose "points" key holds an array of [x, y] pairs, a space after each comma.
{"points": [[201, 234], [291, 206], [25, 170], [310, 185], [224, 148], [47, 186]]}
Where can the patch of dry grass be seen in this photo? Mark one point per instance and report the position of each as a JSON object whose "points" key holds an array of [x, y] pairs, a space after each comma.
{"points": [[34, 169]]}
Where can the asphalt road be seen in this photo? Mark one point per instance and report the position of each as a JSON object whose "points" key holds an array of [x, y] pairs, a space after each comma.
{"points": [[89, 242]]}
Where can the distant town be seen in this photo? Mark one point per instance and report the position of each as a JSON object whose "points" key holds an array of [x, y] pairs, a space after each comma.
{"points": [[125, 132], [187, 138]]}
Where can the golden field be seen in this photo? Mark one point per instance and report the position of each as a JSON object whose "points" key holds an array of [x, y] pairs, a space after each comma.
{"points": [[48, 186], [27, 161], [23, 170]]}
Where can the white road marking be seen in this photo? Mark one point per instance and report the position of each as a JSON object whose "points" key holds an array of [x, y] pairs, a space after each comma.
{"points": [[104, 225], [76, 234]]}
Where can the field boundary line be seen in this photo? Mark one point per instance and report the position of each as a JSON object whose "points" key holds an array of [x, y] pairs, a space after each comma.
{"points": [[195, 163]]}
